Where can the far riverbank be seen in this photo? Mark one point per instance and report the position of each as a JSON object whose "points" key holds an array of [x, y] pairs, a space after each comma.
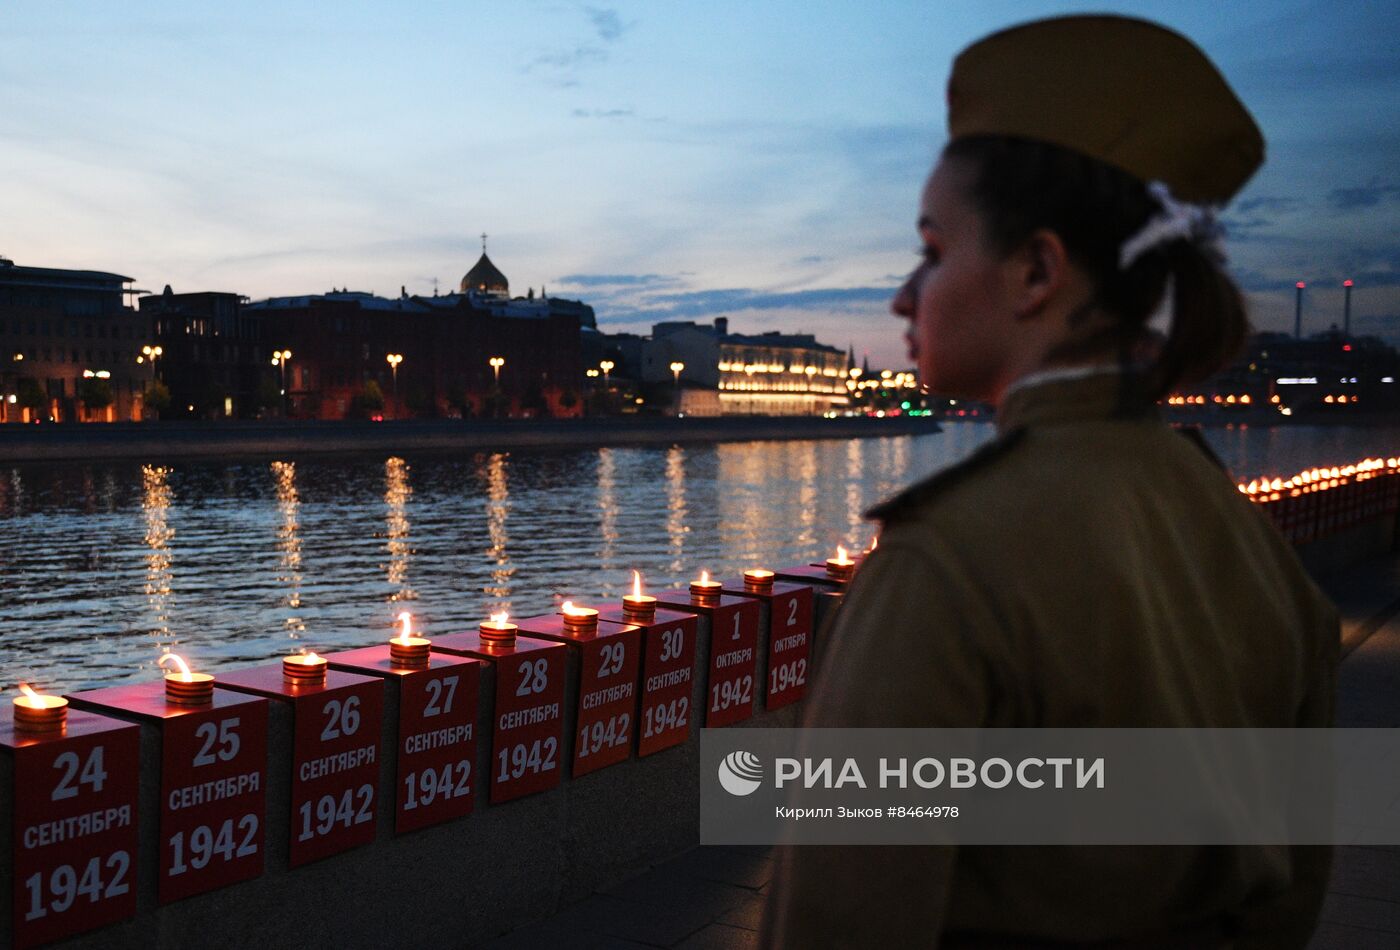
{"points": [[159, 441]]}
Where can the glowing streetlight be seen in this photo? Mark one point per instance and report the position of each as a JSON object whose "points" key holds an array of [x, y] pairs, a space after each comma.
{"points": [[280, 359], [394, 359], [152, 353], [606, 366], [496, 363], [676, 368]]}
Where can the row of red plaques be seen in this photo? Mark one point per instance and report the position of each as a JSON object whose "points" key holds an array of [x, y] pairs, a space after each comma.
{"points": [[75, 793], [1309, 516]]}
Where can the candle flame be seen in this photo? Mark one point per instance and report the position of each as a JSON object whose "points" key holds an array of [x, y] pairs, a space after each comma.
{"points": [[568, 607], [167, 655], [874, 542], [405, 618], [24, 688], [500, 618], [636, 583], [840, 553], [704, 577]]}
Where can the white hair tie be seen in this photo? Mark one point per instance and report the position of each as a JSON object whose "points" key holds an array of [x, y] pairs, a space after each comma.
{"points": [[1178, 220]]}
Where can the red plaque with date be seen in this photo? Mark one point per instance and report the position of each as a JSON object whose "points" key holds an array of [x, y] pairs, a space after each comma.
{"points": [[74, 829], [668, 678], [213, 784], [790, 610], [609, 661], [527, 729], [733, 670], [437, 733], [335, 756]]}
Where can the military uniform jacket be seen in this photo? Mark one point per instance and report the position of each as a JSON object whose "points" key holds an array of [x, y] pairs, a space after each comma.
{"points": [[1085, 569]]}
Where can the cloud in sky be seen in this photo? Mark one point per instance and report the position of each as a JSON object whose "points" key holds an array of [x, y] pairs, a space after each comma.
{"points": [[603, 113], [608, 24], [1362, 196]]}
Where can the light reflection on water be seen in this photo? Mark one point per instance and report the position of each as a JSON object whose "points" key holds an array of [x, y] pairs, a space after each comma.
{"points": [[239, 563]]}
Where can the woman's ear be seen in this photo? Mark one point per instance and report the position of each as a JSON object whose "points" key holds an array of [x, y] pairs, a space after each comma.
{"points": [[1039, 272]]}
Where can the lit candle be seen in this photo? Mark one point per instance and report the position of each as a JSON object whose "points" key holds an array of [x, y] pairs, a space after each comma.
{"points": [[184, 687], [38, 713], [758, 580], [840, 566], [636, 605], [705, 588], [579, 620], [498, 630], [406, 649], [305, 669]]}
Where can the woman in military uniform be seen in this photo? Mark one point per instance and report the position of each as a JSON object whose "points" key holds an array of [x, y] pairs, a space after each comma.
{"points": [[1090, 567]]}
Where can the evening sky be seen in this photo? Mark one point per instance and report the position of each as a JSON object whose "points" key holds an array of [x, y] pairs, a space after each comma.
{"points": [[677, 160]]}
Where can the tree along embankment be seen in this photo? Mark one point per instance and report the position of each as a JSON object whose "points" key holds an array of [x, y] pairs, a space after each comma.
{"points": [[157, 441]]}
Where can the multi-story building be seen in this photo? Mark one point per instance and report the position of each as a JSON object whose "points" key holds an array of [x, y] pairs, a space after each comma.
{"points": [[772, 373], [210, 353], [477, 351], [69, 346]]}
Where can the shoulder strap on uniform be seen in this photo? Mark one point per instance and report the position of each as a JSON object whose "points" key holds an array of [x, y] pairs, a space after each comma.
{"points": [[1193, 435], [943, 479]]}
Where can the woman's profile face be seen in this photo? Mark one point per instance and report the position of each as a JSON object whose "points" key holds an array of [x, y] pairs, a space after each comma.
{"points": [[961, 322]]}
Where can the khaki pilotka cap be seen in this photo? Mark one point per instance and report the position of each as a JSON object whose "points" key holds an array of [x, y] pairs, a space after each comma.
{"points": [[1129, 93]]}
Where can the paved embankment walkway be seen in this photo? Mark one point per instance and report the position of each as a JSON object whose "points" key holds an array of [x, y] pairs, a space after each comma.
{"points": [[161, 441], [1363, 901], [712, 898]]}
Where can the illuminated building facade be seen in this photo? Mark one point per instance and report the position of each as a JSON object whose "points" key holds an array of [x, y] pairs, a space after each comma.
{"points": [[69, 345], [778, 374], [781, 374]]}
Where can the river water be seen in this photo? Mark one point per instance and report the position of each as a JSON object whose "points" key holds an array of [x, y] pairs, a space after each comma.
{"points": [[233, 563]]}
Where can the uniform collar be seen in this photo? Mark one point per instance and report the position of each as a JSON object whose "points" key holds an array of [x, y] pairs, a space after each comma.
{"points": [[1078, 394]]}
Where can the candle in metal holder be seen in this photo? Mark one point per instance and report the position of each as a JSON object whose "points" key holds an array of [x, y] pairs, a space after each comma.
{"points": [[406, 650], [580, 621], [758, 581], [304, 669], [38, 714], [636, 605], [186, 688], [840, 567], [705, 590], [498, 630]]}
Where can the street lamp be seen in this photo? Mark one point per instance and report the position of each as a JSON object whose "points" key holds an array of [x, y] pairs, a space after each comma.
{"points": [[394, 359], [153, 353], [496, 363], [606, 366], [279, 359], [676, 368]]}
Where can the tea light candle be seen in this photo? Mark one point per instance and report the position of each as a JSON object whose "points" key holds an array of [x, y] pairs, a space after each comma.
{"points": [[36, 713], [636, 605], [406, 649], [498, 630], [580, 620], [306, 669], [184, 687], [704, 587], [758, 580], [841, 566]]}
